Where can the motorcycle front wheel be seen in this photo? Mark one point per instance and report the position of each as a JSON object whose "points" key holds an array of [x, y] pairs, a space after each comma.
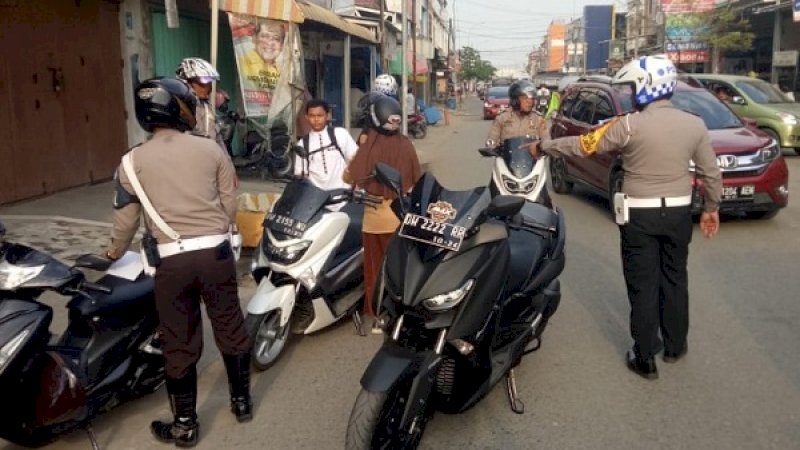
{"points": [[267, 337], [375, 421]]}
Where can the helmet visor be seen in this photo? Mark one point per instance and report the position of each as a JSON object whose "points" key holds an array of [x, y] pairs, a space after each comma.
{"points": [[204, 80]]}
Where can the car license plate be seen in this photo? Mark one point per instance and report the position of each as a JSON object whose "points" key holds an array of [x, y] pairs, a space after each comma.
{"points": [[738, 192], [285, 225], [428, 231]]}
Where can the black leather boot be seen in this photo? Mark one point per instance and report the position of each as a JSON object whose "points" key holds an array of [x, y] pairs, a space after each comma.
{"points": [[184, 430], [238, 369], [644, 367]]}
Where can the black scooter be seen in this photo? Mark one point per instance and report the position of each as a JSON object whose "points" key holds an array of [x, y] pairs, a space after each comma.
{"points": [[108, 354], [467, 287]]}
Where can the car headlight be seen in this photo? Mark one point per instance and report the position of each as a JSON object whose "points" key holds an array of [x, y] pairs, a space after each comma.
{"points": [[787, 118], [450, 299], [769, 152], [12, 276], [520, 188], [285, 255], [11, 347]]}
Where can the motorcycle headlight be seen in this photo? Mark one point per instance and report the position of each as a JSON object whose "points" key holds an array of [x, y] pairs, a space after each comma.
{"points": [[446, 301], [769, 152], [520, 188], [787, 118], [11, 347], [12, 276], [285, 255]]}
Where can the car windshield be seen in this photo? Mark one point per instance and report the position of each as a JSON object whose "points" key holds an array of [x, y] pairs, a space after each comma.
{"points": [[762, 92], [702, 103], [498, 92]]}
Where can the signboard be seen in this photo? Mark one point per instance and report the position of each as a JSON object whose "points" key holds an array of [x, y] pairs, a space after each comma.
{"points": [[682, 26], [786, 58], [258, 44], [616, 49]]}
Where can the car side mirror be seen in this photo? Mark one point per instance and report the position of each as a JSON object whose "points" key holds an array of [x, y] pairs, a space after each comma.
{"points": [[389, 177], [738, 100], [300, 151], [750, 123], [505, 205]]}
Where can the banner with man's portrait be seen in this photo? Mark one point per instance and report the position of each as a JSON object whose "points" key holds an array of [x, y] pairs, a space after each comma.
{"points": [[259, 45]]}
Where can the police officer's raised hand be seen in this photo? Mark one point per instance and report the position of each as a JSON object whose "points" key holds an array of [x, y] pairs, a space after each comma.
{"points": [[709, 223]]}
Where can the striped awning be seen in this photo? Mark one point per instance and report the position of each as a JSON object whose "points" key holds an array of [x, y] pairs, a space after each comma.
{"points": [[286, 10]]}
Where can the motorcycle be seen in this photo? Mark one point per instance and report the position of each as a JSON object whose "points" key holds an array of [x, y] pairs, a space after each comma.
{"points": [[516, 172], [467, 287], [308, 267], [542, 103], [108, 354], [417, 125]]}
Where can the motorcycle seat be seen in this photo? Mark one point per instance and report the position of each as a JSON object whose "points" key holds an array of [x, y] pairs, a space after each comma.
{"points": [[128, 296]]}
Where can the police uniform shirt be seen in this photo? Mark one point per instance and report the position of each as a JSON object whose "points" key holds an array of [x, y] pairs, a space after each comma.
{"points": [[656, 145], [511, 124], [325, 168], [189, 182]]}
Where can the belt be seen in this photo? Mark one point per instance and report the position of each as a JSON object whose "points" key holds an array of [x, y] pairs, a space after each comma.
{"points": [[190, 245], [685, 200]]}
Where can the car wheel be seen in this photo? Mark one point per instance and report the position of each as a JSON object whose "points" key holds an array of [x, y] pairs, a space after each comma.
{"points": [[558, 176], [762, 215]]}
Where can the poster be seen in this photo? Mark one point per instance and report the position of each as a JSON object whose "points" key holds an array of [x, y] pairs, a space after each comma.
{"points": [[261, 58], [681, 27]]}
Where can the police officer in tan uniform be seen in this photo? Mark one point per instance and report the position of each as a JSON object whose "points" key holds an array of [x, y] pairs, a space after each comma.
{"points": [[520, 120], [657, 144], [190, 185]]}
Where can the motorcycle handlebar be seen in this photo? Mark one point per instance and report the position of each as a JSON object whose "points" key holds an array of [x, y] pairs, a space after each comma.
{"points": [[96, 287]]}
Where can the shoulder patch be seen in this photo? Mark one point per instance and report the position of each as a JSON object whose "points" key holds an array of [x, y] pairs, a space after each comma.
{"points": [[591, 140]]}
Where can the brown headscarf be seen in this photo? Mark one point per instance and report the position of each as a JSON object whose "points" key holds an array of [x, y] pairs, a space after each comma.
{"points": [[395, 150]]}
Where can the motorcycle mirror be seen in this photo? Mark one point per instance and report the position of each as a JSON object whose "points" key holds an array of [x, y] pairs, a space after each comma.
{"points": [[505, 205], [487, 152], [94, 262], [390, 177], [300, 151]]}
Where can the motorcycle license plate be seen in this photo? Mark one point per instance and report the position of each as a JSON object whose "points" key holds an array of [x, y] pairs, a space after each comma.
{"points": [[285, 225], [738, 192], [428, 231]]}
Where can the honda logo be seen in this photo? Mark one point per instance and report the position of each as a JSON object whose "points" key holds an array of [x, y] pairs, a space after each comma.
{"points": [[727, 161]]}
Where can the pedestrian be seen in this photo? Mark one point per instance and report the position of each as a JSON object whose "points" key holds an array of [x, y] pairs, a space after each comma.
{"points": [[654, 210], [411, 102], [185, 187], [330, 150], [383, 143]]}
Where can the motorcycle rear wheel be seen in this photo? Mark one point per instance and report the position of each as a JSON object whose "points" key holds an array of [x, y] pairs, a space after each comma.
{"points": [[420, 132], [268, 338], [375, 418]]}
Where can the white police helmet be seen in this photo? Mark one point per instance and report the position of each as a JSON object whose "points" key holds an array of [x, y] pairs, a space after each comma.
{"points": [[197, 69], [386, 84], [652, 77]]}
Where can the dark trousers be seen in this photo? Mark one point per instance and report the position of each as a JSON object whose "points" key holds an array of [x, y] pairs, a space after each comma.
{"points": [[375, 246], [181, 281], [655, 250]]}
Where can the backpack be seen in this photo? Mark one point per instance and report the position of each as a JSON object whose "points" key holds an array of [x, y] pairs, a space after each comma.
{"points": [[307, 143]]}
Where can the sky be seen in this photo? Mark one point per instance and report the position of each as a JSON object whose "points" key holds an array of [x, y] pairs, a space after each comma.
{"points": [[505, 31]]}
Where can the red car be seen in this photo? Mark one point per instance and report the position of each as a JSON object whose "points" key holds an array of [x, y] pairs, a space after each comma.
{"points": [[754, 174], [495, 102]]}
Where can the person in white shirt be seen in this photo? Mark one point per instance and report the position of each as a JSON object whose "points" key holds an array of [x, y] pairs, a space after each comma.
{"points": [[329, 150], [411, 103]]}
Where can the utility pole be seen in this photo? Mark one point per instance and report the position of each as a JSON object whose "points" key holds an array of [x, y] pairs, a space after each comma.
{"points": [[776, 40], [382, 28], [404, 65]]}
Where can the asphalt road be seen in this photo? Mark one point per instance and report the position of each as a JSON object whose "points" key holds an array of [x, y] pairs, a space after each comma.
{"points": [[738, 388]]}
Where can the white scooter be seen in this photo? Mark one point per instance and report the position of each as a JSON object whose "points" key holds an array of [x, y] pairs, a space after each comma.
{"points": [[516, 172], [308, 265]]}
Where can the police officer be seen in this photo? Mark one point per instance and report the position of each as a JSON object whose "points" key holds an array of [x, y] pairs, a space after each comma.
{"points": [[190, 185], [201, 75], [521, 120], [657, 144]]}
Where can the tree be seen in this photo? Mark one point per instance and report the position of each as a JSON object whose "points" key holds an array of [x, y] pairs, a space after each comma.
{"points": [[723, 29], [473, 67]]}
